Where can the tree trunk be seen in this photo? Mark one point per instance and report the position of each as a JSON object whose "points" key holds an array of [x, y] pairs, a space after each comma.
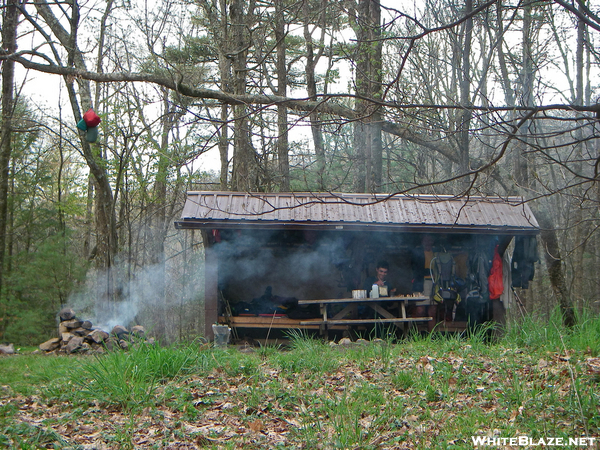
{"points": [[581, 227], [368, 144], [106, 245], [224, 147], [105, 214], [521, 164], [282, 115], [10, 21], [464, 125], [311, 87], [244, 157], [160, 226], [216, 12], [222, 31], [554, 263]]}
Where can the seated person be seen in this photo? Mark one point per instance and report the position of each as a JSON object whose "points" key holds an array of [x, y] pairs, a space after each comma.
{"points": [[381, 273]]}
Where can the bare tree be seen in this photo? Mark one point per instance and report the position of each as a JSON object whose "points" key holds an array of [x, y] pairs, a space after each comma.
{"points": [[282, 87], [10, 19], [105, 215], [244, 162], [365, 18], [312, 60]]}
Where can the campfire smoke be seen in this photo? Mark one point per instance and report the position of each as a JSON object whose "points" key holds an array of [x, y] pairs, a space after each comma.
{"points": [[117, 297], [80, 336]]}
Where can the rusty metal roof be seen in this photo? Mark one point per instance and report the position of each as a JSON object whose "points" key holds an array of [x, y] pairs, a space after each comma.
{"points": [[210, 209]]}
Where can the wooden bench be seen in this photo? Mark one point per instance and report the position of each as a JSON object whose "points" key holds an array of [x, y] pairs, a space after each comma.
{"points": [[339, 320], [267, 322], [373, 303]]}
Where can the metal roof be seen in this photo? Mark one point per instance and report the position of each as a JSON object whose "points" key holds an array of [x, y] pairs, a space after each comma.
{"points": [[210, 209]]}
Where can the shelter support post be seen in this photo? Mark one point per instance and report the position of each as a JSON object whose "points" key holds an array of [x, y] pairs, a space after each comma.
{"points": [[211, 287]]}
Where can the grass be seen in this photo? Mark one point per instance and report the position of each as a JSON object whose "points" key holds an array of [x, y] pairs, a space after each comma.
{"points": [[24, 374], [131, 379], [432, 391]]}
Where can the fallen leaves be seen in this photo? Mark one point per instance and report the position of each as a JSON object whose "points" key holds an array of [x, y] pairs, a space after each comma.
{"points": [[358, 402], [593, 365], [515, 413], [256, 426]]}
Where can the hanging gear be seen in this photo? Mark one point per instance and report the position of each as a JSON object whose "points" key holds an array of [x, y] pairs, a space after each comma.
{"points": [[524, 258], [495, 284], [443, 274], [477, 308], [445, 288]]}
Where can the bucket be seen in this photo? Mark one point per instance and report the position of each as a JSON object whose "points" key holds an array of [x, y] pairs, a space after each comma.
{"points": [[222, 333]]}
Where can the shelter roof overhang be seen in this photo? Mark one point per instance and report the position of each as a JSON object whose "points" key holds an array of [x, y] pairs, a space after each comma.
{"points": [[357, 212]]}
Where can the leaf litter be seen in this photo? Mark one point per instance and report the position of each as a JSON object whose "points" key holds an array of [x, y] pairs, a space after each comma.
{"points": [[359, 404]]}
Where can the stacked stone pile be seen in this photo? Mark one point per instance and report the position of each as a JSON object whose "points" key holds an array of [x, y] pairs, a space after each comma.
{"points": [[8, 349], [80, 336]]}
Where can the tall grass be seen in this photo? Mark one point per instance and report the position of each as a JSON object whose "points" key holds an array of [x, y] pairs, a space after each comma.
{"points": [[306, 354], [551, 335], [130, 379]]}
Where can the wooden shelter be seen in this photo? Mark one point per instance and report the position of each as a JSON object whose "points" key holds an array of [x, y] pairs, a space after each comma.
{"points": [[315, 249]]}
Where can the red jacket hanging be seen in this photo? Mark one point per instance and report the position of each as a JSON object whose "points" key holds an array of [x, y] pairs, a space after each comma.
{"points": [[495, 284]]}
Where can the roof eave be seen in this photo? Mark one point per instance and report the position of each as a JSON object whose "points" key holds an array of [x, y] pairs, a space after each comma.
{"points": [[354, 226]]}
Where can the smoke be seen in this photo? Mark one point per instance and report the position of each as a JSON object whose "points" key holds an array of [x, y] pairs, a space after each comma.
{"points": [[294, 263], [120, 296], [301, 264]]}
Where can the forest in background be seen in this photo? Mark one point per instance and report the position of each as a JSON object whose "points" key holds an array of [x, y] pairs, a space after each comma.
{"points": [[455, 97]]}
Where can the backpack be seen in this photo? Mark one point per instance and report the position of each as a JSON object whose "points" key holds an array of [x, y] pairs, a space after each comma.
{"points": [[443, 273], [477, 308], [477, 278]]}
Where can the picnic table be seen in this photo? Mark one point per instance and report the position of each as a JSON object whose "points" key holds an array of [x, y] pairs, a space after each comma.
{"points": [[350, 308]]}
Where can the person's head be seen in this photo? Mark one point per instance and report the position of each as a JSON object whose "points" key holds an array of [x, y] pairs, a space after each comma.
{"points": [[382, 270]]}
